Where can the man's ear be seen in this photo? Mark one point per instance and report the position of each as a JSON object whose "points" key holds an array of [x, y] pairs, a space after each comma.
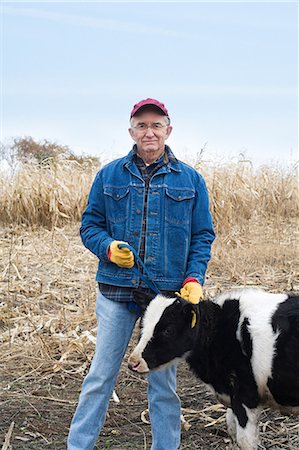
{"points": [[191, 312], [142, 298], [169, 130], [132, 134]]}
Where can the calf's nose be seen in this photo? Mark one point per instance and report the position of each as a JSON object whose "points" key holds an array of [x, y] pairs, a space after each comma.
{"points": [[137, 364], [133, 361], [131, 366]]}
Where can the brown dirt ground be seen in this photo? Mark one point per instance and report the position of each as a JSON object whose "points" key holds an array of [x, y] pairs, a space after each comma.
{"points": [[42, 408], [47, 301]]}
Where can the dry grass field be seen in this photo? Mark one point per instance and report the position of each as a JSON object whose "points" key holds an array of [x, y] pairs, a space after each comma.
{"points": [[47, 296]]}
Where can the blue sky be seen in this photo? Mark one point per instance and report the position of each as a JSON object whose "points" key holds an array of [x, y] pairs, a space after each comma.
{"points": [[227, 72]]}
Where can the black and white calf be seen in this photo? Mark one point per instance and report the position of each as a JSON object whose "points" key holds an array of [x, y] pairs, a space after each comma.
{"points": [[244, 345]]}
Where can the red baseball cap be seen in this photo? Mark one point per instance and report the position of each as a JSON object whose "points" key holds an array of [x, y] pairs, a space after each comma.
{"points": [[149, 102]]}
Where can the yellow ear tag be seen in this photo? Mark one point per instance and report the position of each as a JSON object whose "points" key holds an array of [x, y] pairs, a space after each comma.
{"points": [[193, 321]]}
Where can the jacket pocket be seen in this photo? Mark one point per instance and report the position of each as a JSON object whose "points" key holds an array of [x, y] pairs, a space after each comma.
{"points": [[117, 203], [178, 205]]}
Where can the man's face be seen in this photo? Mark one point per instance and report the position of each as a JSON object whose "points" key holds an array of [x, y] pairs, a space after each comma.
{"points": [[149, 131]]}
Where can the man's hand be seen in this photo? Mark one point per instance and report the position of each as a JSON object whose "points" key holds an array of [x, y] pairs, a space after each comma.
{"points": [[122, 257], [192, 292]]}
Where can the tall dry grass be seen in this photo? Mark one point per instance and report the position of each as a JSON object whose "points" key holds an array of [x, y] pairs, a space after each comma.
{"points": [[56, 194], [49, 195], [47, 286], [241, 195]]}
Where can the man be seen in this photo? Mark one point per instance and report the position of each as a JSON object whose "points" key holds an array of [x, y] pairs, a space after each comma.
{"points": [[159, 206]]}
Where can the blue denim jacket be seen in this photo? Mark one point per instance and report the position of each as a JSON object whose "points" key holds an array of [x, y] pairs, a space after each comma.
{"points": [[179, 230]]}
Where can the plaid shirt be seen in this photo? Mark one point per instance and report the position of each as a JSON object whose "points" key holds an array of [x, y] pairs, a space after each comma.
{"points": [[125, 294]]}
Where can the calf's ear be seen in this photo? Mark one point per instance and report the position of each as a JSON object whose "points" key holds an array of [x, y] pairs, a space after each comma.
{"points": [[142, 298], [190, 312]]}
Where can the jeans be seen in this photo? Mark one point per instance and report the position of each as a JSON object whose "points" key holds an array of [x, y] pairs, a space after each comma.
{"points": [[115, 327]]}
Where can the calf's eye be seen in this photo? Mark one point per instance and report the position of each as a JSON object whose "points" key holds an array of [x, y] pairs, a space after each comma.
{"points": [[168, 332]]}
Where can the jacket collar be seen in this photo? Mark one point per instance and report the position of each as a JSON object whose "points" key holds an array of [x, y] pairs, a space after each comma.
{"points": [[172, 164]]}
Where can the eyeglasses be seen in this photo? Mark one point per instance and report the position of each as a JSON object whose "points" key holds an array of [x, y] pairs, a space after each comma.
{"points": [[156, 126]]}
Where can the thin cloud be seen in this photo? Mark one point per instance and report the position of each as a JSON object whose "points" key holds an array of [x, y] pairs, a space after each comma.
{"points": [[238, 90], [174, 90], [91, 22]]}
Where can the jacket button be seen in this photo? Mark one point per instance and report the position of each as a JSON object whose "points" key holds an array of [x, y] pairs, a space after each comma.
{"points": [[138, 211], [134, 281], [136, 233]]}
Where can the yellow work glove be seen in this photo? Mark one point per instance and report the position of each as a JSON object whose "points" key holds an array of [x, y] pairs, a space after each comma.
{"points": [[192, 292], [122, 257]]}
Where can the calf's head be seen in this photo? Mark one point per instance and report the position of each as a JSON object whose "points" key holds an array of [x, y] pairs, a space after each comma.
{"points": [[167, 332]]}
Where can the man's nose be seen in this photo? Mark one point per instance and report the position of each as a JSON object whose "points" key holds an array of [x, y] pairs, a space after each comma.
{"points": [[149, 131]]}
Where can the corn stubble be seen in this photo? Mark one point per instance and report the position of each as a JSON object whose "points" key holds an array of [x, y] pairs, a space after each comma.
{"points": [[47, 286]]}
